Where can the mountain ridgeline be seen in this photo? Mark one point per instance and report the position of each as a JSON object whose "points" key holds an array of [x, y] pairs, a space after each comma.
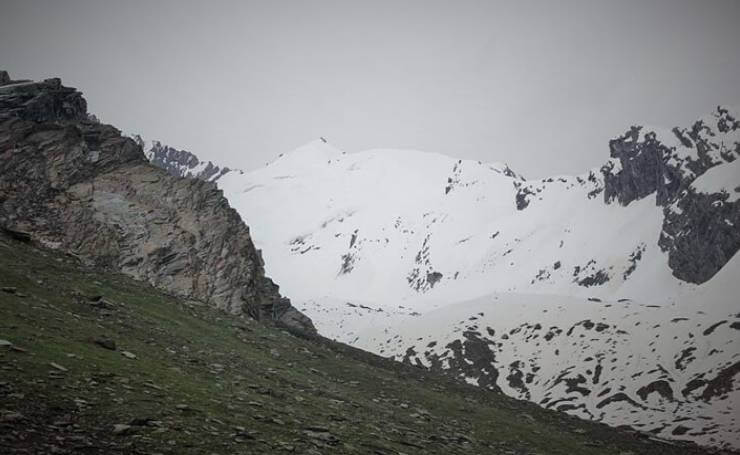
{"points": [[698, 230], [71, 183], [180, 163], [609, 295]]}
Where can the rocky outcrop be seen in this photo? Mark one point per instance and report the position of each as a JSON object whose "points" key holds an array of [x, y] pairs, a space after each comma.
{"points": [[47, 101], [643, 169], [4, 78], [666, 165], [77, 185], [182, 163], [699, 232]]}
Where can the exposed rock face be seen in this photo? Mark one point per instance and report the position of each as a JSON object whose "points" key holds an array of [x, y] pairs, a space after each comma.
{"points": [[47, 101], [700, 233], [643, 169], [699, 230], [78, 185], [4, 78], [471, 356], [182, 163]]}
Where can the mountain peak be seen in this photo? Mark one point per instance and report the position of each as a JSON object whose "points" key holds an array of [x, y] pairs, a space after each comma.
{"points": [[316, 152]]}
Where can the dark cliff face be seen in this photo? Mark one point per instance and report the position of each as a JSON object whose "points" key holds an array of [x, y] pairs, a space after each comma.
{"points": [[649, 166], [699, 230], [77, 185], [643, 172], [700, 234]]}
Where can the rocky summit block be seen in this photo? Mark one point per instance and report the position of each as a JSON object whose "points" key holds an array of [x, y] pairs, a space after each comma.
{"points": [[4, 78], [699, 231], [77, 185]]}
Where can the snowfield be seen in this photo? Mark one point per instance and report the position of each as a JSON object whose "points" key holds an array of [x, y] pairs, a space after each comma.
{"points": [[418, 228]]}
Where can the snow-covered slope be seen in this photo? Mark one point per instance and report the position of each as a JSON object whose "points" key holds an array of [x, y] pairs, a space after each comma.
{"points": [[417, 255], [667, 369], [413, 227]]}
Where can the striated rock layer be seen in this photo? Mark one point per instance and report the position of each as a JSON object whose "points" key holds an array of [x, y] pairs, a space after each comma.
{"points": [[180, 163], [75, 184]]}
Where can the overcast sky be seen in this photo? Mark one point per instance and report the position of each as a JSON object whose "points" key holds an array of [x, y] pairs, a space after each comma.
{"points": [[540, 85]]}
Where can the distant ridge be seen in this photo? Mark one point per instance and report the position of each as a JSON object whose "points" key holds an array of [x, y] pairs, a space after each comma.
{"points": [[605, 295]]}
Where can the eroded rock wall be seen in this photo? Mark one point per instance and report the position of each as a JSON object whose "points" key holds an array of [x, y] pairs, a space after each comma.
{"points": [[78, 185]]}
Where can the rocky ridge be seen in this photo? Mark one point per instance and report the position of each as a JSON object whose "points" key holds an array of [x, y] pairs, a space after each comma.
{"points": [[698, 231], [180, 163], [71, 183]]}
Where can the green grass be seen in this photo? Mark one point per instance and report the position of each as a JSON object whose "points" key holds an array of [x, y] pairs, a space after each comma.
{"points": [[273, 392]]}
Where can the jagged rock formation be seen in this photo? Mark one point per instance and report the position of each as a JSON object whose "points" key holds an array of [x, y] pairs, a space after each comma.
{"points": [[77, 185], [699, 230], [700, 233], [181, 163]]}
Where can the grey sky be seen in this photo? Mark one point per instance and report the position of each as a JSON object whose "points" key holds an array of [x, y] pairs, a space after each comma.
{"points": [[540, 85]]}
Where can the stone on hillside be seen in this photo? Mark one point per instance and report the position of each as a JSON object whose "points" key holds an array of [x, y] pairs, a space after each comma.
{"points": [[24, 237], [58, 367], [321, 434], [142, 422], [100, 302], [11, 417], [128, 355], [105, 342], [121, 428]]}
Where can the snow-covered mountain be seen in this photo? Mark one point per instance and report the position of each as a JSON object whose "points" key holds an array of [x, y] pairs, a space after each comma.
{"points": [[610, 295]]}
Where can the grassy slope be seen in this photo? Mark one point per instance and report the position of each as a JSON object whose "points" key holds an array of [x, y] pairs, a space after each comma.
{"points": [[207, 382]]}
